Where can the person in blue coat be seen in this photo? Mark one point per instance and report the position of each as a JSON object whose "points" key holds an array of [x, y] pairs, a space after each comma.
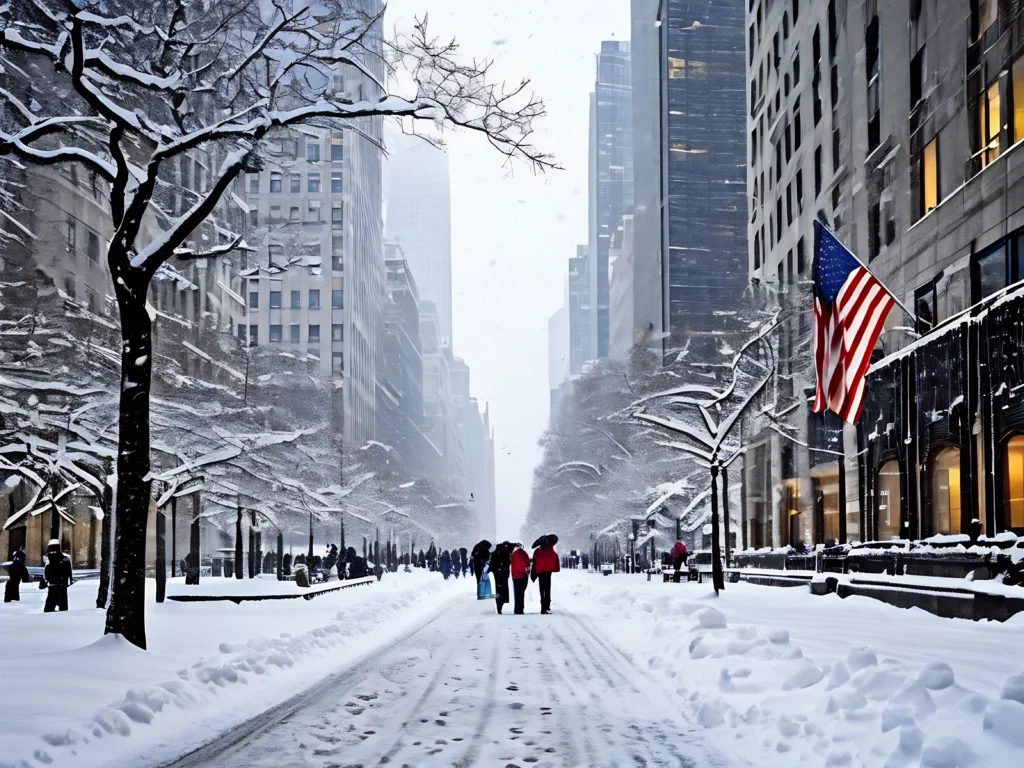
{"points": [[445, 564]]}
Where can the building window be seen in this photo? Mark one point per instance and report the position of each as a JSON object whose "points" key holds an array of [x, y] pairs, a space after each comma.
{"points": [[254, 335], [337, 332], [254, 300], [275, 183], [314, 334], [336, 183], [275, 334], [946, 492], [275, 213], [801, 260], [983, 16], [1013, 483], [757, 250], [337, 150], [917, 77], [817, 171], [338, 299], [254, 183], [836, 156], [72, 236], [796, 70], [800, 191], [796, 10], [874, 229], [888, 501], [834, 86], [337, 363], [296, 300], [990, 271], [1017, 83], [312, 151], [295, 182], [275, 299], [313, 183], [293, 333], [988, 124], [314, 298], [92, 247], [930, 175], [337, 216], [293, 213], [254, 217]]}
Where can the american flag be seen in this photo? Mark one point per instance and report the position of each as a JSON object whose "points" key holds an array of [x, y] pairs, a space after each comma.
{"points": [[850, 307]]}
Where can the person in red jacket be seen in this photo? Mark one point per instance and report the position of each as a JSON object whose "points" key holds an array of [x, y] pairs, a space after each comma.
{"points": [[545, 562], [678, 559], [520, 575]]}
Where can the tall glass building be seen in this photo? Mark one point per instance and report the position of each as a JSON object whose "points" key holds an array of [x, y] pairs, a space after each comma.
{"points": [[701, 145], [611, 177]]}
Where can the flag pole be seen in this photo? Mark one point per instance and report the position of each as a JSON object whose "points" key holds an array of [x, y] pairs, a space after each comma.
{"points": [[898, 303]]}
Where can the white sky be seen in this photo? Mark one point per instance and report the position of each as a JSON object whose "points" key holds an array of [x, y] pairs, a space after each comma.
{"points": [[512, 235]]}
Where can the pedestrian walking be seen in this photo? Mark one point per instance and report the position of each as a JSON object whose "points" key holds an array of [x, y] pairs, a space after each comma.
{"points": [[500, 566], [16, 574], [545, 562], [678, 559], [464, 560], [446, 564], [480, 556], [57, 577], [520, 568]]}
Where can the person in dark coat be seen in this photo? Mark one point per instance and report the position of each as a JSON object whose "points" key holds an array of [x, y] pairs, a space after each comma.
{"points": [[356, 565], [545, 562], [480, 556], [464, 560], [520, 569], [678, 559], [17, 573], [500, 566], [286, 563], [57, 577], [445, 564]]}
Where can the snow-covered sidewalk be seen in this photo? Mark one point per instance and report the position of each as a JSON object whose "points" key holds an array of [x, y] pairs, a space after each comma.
{"points": [[782, 678], [73, 697]]}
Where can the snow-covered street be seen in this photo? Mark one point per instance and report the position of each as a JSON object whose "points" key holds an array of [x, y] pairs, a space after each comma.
{"points": [[476, 688], [415, 671]]}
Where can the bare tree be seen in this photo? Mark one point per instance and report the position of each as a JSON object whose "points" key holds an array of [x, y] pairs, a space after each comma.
{"points": [[701, 415], [136, 87]]}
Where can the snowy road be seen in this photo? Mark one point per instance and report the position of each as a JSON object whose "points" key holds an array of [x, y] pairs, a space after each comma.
{"points": [[472, 688]]}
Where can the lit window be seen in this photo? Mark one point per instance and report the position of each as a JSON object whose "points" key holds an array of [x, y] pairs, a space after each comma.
{"points": [[889, 500], [1018, 99], [1013, 483], [930, 174], [989, 124], [946, 492]]}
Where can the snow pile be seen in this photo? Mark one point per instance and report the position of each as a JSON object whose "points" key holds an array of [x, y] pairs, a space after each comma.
{"points": [[210, 665], [797, 679]]}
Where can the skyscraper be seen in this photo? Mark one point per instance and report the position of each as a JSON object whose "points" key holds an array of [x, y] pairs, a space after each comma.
{"points": [[611, 178], [579, 310], [418, 217], [690, 150]]}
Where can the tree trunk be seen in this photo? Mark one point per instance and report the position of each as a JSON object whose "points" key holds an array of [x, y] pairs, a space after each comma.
{"points": [[725, 511], [252, 544], [718, 578], [309, 555], [174, 536], [161, 556], [126, 615], [343, 548], [238, 544], [280, 556], [103, 593], [194, 545]]}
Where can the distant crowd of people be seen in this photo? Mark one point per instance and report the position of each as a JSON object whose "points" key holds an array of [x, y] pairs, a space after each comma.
{"points": [[57, 577]]}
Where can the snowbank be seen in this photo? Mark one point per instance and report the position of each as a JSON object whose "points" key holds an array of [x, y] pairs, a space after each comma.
{"points": [[787, 678], [75, 700]]}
